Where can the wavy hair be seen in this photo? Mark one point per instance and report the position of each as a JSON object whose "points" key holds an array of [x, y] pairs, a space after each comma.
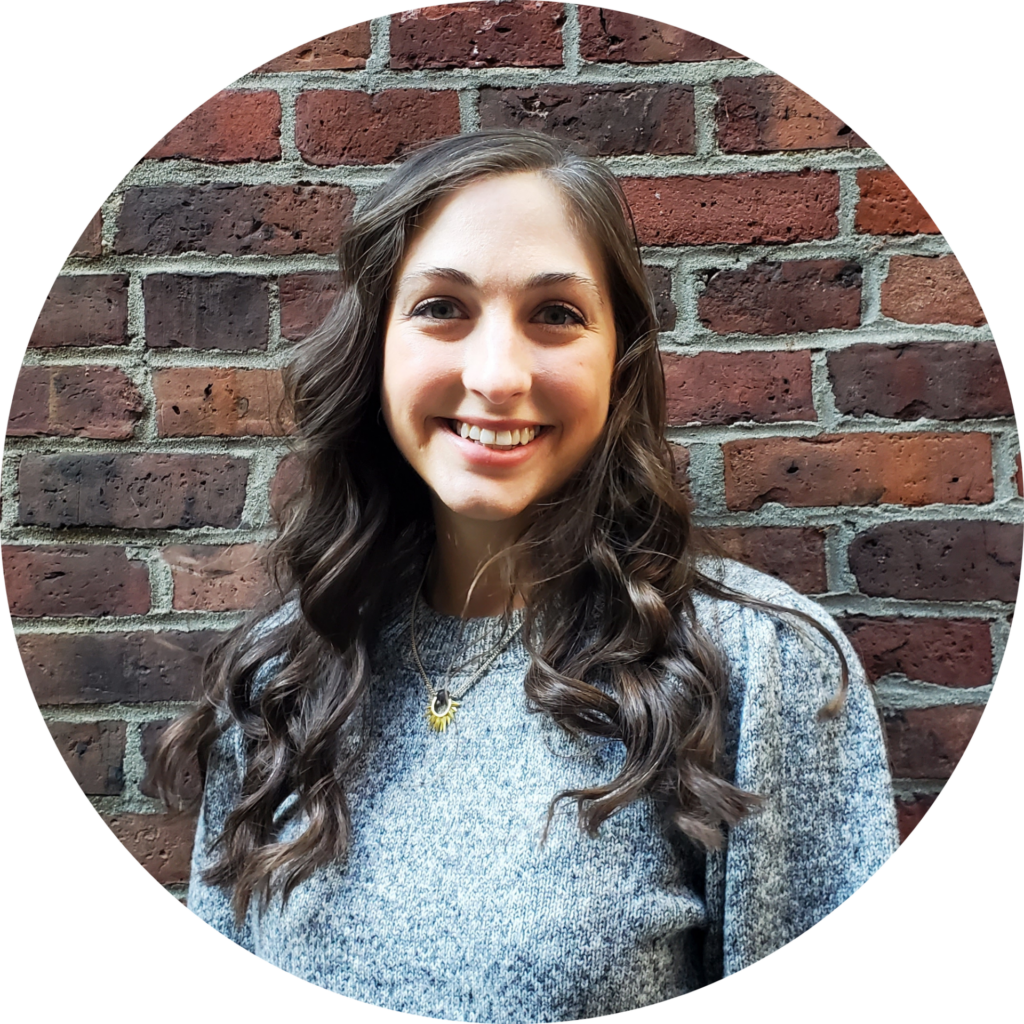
{"points": [[609, 564]]}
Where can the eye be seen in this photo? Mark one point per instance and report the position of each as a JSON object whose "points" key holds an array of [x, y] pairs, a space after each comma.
{"points": [[559, 316], [438, 309]]}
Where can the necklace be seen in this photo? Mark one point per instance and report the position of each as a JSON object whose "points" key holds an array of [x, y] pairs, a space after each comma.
{"points": [[443, 701]]}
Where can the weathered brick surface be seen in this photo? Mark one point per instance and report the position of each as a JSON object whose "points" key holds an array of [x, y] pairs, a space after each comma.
{"points": [[888, 207], [161, 843], [927, 743], [859, 469], [735, 208], [151, 491], [222, 311], [795, 554], [660, 280], [948, 381], [1019, 477], [230, 127], [782, 298], [909, 812], [77, 580], [335, 126], [929, 290], [337, 51], [75, 401], [521, 33], [90, 243], [769, 114], [150, 734], [106, 668], [286, 482], [218, 579], [235, 220], [94, 751], [947, 652], [611, 120], [305, 300], [681, 463], [939, 561], [86, 309], [723, 387], [608, 35], [219, 402]]}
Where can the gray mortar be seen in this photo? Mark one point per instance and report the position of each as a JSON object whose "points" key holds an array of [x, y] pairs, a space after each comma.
{"points": [[185, 622], [849, 196], [469, 110], [907, 789], [1005, 446], [275, 341], [256, 514], [898, 693], [821, 392], [838, 538], [705, 128], [571, 59], [289, 150], [161, 583], [380, 46], [1000, 632], [707, 477]]}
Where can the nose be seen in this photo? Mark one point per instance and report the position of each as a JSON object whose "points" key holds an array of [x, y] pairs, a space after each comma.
{"points": [[498, 361]]}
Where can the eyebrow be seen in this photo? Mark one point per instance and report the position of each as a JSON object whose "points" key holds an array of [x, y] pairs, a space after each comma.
{"points": [[536, 281]]}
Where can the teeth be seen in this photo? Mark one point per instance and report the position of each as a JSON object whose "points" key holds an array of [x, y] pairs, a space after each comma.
{"points": [[474, 433], [503, 439], [464, 429], [487, 436], [515, 436]]}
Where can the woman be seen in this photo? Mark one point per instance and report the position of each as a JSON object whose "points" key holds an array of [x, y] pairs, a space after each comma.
{"points": [[497, 611]]}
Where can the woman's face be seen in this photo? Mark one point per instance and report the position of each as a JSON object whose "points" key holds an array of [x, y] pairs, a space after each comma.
{"points": [[499, 348]]}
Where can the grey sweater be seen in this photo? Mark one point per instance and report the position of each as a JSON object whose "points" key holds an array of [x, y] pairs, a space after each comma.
{"points": [[448, 905]]}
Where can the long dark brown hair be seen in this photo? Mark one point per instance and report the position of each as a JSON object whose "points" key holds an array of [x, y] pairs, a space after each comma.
{"points": [[609, 564]]}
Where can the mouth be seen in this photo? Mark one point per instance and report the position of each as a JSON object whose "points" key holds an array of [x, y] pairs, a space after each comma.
{"points": [[496, 440]]}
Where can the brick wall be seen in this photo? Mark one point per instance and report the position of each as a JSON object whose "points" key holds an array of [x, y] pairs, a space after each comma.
{"points": [[833, 387]]}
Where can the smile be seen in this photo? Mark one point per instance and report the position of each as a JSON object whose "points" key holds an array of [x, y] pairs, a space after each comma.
{"points": [[500, 440]]}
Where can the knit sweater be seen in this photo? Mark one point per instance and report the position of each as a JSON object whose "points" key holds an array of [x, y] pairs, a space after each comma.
{"points": [[448, 904]]}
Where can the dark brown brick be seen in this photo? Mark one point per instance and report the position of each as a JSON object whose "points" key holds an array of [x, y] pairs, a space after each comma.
{"points": [[222, 311], [660, 281], [337, 51], [769, 114], [107, 668], [929, 290], [782, 298], [939, 561], [611, 120], [234, 220], [335, 126], [888, 207], [230, 127], [161, 843], [75, 401], [219, 402], [608, 35], [946, 381], [723, 387], [795, 554], [734, 208], [859, 469], [520, 33], [94, 751], [927, 743], [947, 652], [910, 811], [74, 581], [150, 735], [306, 299], [217, 579], [87, 309], [91, 241], [132, 492]]}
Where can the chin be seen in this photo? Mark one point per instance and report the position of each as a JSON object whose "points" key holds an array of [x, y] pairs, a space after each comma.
{"points": [[485, 511]]}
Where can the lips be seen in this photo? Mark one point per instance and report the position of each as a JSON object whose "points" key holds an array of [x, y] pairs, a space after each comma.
{"points": [[499, 440]]}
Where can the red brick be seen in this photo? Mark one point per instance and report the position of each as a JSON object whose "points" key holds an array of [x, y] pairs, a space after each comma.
{"points": [[233, 220], [782, 298], [161, 843], [231, 127], [734, 208], [929, 290], [150, 735], [335, 126], [91, 241], [87, 309], [75, 401], [478, 35], [610, 120], [795, 554], [888, 207], [74, 581], [219, 402], [94, 751], [769, 114], [927, 743], [947, 652], [217, 579], [939, 561], [286, 482], [723, 387], [946, 381], [306, 299], [909, 812], [230, 312], [106, 668], [337, 51], [859, 469], [131, 492], [607, 35]]}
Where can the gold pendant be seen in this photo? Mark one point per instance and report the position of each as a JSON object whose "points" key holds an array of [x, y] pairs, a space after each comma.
{"points": [[441, 710]]}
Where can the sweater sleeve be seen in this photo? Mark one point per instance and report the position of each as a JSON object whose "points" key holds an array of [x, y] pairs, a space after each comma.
{"points": [[828, 818]]}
